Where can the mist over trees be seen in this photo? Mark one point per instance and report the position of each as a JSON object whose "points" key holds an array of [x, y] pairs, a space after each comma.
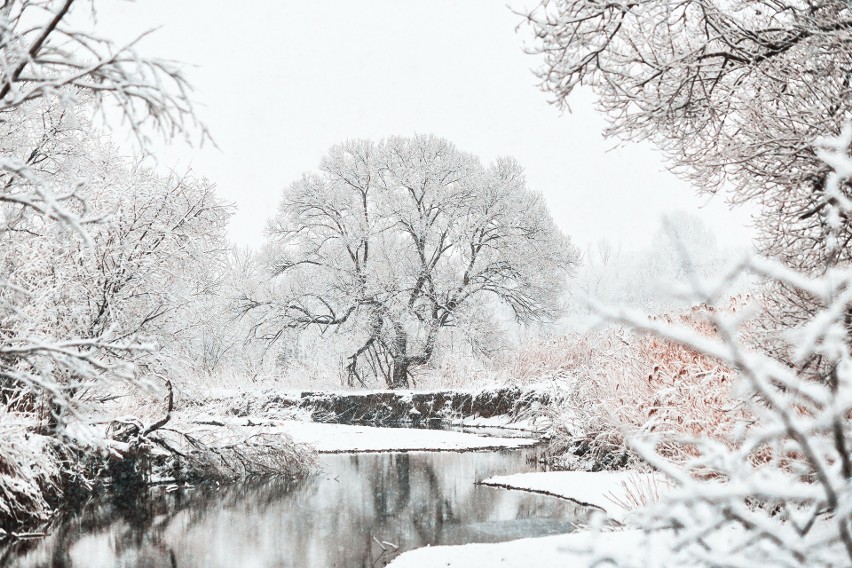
{"points": [[395, 240], [684, 249]]}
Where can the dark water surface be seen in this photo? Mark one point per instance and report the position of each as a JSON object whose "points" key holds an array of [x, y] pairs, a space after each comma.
{"points": [[336, 518]]}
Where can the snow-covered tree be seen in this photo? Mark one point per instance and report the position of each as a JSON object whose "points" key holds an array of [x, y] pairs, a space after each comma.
{"points": [[53, 74], [771, 482], [44, 56], [58, 69], [148, 262], [734, 93], [395, 240]]}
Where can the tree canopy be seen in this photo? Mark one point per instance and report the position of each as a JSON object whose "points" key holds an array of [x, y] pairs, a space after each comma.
{"points": [[734, 93], [398, 239]]}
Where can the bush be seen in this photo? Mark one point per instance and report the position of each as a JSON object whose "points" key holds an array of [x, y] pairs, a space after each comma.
{"points": [[616, 384]]}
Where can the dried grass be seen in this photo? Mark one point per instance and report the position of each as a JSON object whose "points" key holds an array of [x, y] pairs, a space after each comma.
{"points": [[639, 490]]}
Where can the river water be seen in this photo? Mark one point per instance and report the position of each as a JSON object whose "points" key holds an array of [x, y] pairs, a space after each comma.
{"points": [[360, 510]]}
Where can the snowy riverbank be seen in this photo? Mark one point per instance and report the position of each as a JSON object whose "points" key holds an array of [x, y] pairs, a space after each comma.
{"points": [[342, 438], [489, 405], [615, 494], [577, 550]]}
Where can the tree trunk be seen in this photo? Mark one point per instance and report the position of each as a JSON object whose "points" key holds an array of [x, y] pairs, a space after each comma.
{"points": [[399, 374], [399, 354]]}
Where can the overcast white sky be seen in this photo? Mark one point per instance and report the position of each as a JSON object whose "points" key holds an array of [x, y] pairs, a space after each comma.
{"points": [[279, 82]]}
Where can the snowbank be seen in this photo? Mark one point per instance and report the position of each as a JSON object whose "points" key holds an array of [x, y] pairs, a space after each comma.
{"points": [[385, 407], [574, 550], [615, 492], [342, 438]]}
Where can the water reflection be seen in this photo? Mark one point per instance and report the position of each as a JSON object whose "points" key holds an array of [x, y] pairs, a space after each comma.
{"points": [[354, 513]]}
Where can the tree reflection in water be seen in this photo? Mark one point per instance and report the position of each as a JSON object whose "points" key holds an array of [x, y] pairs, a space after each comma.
{"points": [[342, 516]]}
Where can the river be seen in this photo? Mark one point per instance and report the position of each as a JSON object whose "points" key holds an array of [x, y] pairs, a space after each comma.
{"points": [[358, 510]]}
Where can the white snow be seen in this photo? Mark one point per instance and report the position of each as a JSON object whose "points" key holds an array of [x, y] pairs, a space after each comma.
{"points": [[574, 550], [342, 438], [583, 549], [613, 491], [537, 425]]}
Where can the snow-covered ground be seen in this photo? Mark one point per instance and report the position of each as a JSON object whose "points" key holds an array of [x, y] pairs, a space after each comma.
{"points": [[615, 492], [574, 550], [340, 438]]}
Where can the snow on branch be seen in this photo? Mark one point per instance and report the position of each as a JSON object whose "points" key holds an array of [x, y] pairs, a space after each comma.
{"points": [[777, 488]]}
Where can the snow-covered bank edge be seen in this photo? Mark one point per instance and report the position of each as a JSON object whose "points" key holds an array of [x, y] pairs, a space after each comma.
{"points": [[621, 497], [527, 409], [616, 493], [535, 424], [342, 438], [628, 548], [505, 406], [126, 455]]}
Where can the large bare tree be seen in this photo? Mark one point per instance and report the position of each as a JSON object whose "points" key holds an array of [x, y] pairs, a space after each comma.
{"points": [[395, 240]]}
